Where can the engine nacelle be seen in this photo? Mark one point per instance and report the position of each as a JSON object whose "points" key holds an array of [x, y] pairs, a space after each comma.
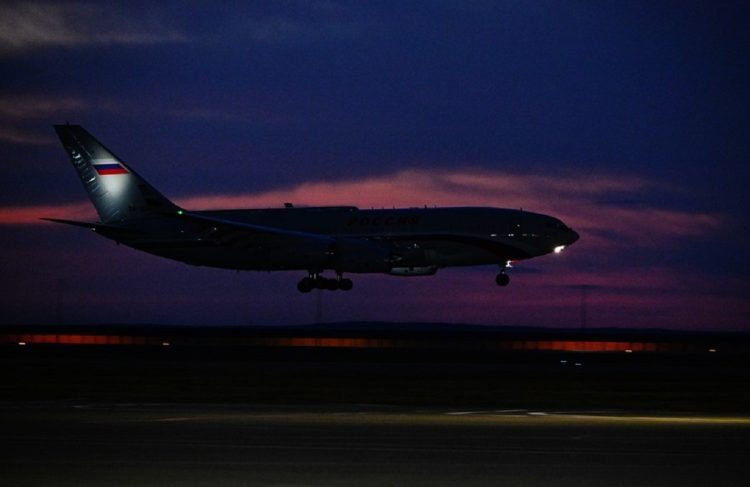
{"points": [[358, 256], [414, 271]]}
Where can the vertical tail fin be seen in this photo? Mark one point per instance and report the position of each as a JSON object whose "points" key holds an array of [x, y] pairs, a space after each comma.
{"points": [[117, 192]]}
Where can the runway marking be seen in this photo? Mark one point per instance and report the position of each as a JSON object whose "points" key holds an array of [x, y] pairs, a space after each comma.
{"points": [[663, 419], [164, 420], [168, 412], [477, 418]]}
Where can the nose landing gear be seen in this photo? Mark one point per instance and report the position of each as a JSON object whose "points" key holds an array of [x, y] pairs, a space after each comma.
{"points": [[502, 279], [316, 281]]}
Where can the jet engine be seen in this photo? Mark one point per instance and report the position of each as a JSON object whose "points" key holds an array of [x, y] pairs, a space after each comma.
{"points": [[414, 271]]}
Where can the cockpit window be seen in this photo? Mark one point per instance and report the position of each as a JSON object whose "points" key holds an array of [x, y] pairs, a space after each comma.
{"points": [[555, 224]]}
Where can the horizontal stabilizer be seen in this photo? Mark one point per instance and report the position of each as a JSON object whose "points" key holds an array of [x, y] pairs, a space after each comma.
{"points": [[97, 227]]}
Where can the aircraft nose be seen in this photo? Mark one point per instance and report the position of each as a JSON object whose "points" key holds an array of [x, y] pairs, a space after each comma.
{"points": [[572, 236]]}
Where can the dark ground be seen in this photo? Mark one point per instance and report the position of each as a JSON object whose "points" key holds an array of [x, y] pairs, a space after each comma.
{"points": [[707, 383], [224, 415]]}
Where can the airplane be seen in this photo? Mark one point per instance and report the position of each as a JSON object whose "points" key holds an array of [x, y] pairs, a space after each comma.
{"points": [[341, 239]]}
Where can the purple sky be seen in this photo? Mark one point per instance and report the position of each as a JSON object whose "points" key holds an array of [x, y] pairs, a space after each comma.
{"points": [[627, 120]]}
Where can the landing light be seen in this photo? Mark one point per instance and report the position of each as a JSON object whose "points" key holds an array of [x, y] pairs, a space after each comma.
{"points": [[559, 249]]}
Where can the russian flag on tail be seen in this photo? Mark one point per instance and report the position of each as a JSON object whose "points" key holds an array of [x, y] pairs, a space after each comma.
{"points": [[106, 167]]}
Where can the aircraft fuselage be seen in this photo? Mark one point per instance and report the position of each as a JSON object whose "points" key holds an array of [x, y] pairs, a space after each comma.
{"points": [[427, 238]]}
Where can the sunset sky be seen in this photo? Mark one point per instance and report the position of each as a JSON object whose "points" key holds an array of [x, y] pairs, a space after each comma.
{"points": [[627, 120]]}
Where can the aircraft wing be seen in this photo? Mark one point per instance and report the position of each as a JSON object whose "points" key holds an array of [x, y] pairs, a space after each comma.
{"points": [[229, 230], [320, 249], [234, 233]]}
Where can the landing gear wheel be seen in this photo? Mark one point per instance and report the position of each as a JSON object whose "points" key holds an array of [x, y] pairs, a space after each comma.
{"points": [[316, 281], [502, 279], [306, 285]]}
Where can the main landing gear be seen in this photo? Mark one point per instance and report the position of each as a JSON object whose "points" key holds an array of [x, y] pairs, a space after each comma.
{"points": [[316, 281]]}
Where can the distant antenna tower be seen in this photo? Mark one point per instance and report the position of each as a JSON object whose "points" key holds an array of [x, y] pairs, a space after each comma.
{"points": [[584, 305], [319, 306], [59, 303]]}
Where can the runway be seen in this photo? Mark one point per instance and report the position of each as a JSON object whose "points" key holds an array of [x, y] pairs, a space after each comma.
{"points": [[68, 443]]}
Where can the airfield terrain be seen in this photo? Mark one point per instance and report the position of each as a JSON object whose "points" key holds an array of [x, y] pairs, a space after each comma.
{"points": [[371, 406]]}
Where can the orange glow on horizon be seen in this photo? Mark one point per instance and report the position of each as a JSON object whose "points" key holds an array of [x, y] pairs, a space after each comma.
{"points": [[596, 346]]}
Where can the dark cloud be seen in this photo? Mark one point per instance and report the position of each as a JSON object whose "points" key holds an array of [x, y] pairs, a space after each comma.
{"points": [[26, 26]]}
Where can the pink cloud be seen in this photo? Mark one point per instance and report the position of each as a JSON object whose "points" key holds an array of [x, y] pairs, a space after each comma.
{"points": [[617, 298], [30, 215], [16, 136], [574, 198], [28, 106]]}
